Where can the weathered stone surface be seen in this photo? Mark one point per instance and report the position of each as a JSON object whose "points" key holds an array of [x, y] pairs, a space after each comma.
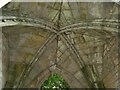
{"points": [[79, 41]]}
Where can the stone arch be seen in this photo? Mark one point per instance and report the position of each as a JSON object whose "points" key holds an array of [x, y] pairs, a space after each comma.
{"points": [[72, 81], [72, 74]]}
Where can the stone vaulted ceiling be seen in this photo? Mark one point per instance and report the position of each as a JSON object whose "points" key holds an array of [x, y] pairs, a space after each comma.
{"points": [[78, 40]]}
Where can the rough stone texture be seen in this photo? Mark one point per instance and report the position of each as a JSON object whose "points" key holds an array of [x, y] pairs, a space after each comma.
{"points": [[83, 49]]}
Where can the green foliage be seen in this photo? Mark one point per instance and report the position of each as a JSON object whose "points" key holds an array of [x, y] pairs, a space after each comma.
{"points": [[54, 82]]}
